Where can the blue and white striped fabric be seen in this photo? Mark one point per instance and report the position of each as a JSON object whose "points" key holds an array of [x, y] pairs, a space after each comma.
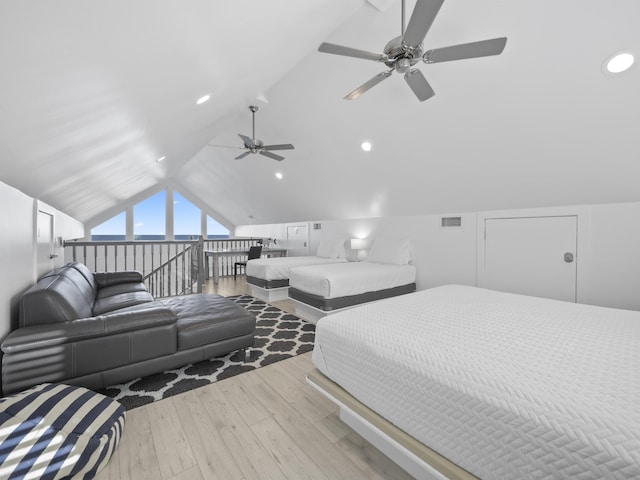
{"points": [[55, 431]]}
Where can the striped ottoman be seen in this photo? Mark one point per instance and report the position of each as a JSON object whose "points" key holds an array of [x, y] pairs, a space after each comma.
{"points": [[56, 431]]}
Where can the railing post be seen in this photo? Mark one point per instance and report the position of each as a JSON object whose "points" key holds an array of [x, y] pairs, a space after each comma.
{"points": [[201, 260]]}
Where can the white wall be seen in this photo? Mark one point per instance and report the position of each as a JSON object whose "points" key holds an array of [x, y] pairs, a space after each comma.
{"points": [[16, 252], [17, 248], [608, 247]]}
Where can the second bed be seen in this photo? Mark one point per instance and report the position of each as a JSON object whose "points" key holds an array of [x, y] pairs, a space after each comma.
{"points": [[321, 289]]}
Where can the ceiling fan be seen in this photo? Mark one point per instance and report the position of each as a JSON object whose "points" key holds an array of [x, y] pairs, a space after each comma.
{"points": [[253, 145], [403, 52]]}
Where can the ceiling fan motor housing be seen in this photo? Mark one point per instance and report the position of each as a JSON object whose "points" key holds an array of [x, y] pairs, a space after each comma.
{"points": [[401, 57]]}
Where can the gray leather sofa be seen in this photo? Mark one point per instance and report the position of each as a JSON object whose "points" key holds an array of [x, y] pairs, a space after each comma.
{"points": [[96, 330]]}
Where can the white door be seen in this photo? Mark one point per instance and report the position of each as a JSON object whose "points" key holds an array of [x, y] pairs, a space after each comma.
{"points": [[297, 240], [532, 256], [44, 242]]}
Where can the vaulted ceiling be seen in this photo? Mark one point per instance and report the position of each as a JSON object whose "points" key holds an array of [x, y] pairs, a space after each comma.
{"points": [[93, 93]]}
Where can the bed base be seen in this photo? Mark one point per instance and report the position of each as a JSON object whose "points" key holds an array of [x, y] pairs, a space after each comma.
{"points": [[412, 456], [269, 294], [312, 314], [332, 304]]}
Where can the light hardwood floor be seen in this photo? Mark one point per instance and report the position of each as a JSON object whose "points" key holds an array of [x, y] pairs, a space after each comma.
{"points": [[263, 424]]}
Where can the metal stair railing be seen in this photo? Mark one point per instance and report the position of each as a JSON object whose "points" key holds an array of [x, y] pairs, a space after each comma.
{"points": [[168, 267]]}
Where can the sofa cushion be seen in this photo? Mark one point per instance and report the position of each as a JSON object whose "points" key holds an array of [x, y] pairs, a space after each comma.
{"points": [[122, 300], [206, 318], [120, 288], [56, 299], [106, 279], [87, 274]]}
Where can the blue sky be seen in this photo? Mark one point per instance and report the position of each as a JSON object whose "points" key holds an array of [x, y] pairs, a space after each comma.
{"points": [[149, 219]]}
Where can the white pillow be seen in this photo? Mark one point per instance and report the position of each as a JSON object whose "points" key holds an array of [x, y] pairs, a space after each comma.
{"points": [[395, 252], [331, 248]]}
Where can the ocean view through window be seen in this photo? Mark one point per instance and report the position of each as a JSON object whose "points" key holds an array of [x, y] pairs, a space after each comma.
{"points": [[149, 222]]}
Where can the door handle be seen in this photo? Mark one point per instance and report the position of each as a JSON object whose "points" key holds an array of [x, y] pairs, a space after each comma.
{"points": [[568, 257], [52, 256]]}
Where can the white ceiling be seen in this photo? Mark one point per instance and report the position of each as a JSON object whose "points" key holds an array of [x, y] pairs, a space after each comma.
{"points": [[92, 93]]}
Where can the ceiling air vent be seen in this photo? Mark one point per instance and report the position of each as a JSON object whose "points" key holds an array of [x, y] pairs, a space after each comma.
{"points": [[451, 222]]}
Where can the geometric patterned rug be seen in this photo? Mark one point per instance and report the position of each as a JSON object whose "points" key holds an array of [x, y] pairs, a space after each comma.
{"points": [[279, 335]]}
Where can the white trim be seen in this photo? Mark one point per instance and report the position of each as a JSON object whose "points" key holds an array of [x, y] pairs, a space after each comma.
{"points": [[269, 294]]}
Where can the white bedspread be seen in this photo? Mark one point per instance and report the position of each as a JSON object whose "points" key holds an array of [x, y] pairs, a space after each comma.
{"points": [[352, 278], [506, 386], [277, 268]]}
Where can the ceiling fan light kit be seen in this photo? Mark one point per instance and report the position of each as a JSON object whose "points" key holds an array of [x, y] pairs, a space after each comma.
{"points": [[404, 52]]}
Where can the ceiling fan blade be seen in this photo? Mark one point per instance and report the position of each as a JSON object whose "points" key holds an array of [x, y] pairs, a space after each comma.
{"points": [[285, 146], [483, 48], [421, 19], [351, 52], [224, 146], [241, 156], [419, 84], [271, 155], [247, 141], [367, 85]]}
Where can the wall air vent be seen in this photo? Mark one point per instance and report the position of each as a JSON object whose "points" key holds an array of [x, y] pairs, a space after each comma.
{"points": [[451, 222], [317, 226]]}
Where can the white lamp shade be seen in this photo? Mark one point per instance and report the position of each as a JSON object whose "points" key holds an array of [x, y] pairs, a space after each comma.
{"points": [[358, 244]]}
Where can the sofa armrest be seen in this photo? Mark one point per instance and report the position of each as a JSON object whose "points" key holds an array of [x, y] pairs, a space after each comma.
{"points": [[106, 279], [41, 336]]}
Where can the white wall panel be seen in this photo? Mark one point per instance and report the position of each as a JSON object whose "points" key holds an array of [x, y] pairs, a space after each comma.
{"points": [[615, 256], [16, 252]]}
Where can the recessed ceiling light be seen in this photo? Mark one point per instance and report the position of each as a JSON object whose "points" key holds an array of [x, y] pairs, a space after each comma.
{"points": [[366, 146], [201, 100], [618, 63], [161, 158], [279, 175]]}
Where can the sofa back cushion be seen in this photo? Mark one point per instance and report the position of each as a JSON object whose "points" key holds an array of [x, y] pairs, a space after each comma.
{"points": [[64, 296], [86, 274]]}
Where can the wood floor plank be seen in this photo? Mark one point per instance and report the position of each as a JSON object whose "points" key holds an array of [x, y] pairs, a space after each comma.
{"points": [[191, 474], [285, 451], [239, 395], [253, 459], [313, 406], [174, 453], [136, 456], [325, 453], [208, 447]]}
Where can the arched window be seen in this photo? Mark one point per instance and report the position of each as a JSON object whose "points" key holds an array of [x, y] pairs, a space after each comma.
{"points": [[215, 230], [149, 218], [150, 221], [114, 229], [187, 223]]}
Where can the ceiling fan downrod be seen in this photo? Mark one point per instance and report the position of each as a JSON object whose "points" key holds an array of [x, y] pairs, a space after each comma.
{"points": [[253, 109]]}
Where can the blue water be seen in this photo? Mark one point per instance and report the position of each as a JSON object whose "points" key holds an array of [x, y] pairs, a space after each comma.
{"points": [[121, 238]]}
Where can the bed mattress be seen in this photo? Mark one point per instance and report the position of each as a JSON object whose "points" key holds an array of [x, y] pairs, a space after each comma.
{"points": [[351, 278], [277, 268], [505, 386]]}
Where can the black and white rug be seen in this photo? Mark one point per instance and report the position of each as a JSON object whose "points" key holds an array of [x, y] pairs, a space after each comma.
{"points": [[279, 335]]}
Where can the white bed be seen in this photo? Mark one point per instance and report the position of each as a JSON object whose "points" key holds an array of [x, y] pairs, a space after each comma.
{"points": [[268, 278], [503, 386], [321, 289]]}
